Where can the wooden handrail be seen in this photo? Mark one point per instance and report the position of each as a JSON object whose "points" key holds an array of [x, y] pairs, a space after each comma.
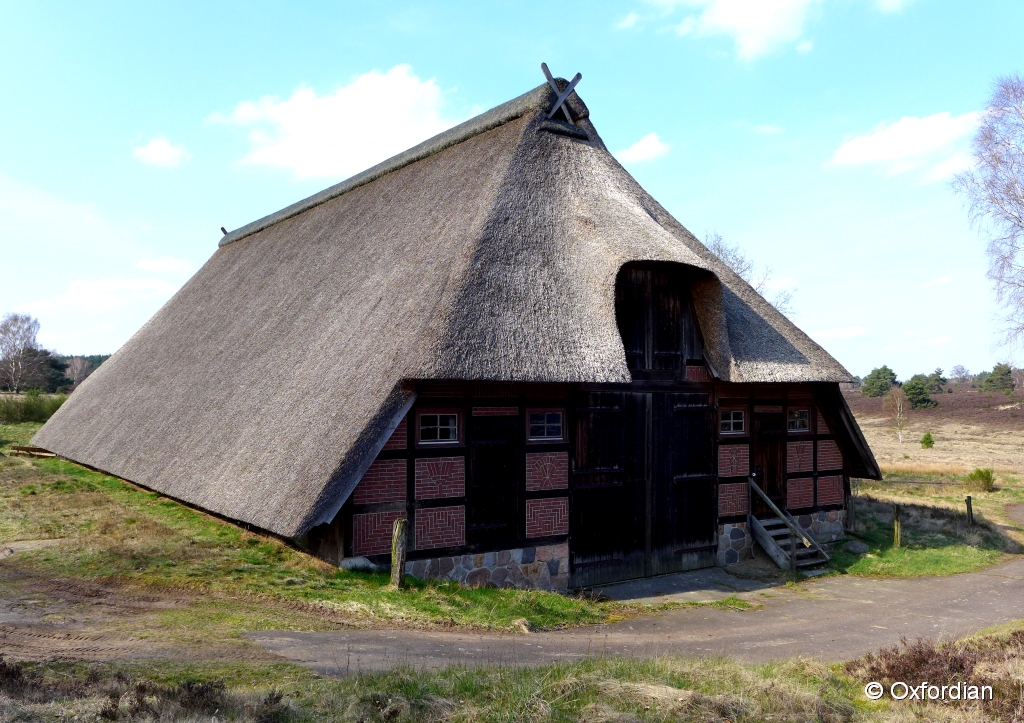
{"points": [[778, 513]]}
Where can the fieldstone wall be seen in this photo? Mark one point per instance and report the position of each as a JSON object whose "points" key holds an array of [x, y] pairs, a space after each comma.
{"points": [[545, 567], [734, 543], [824, 526]]}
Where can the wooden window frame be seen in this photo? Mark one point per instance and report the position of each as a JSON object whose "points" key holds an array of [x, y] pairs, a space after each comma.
{"points": [[460, 428], [546, 440], [742, 433], [797, 410]]}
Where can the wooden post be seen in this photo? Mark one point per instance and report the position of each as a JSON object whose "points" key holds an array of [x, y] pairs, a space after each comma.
{"points": [[897, 527], [399, 541], [792, 551], [970, 511]]}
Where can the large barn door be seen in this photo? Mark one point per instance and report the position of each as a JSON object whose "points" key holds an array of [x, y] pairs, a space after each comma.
{"points": [[608, 506], [683, 503]]}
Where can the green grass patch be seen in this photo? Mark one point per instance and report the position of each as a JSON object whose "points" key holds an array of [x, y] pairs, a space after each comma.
{"points": [[935, 541], [29, 407]]}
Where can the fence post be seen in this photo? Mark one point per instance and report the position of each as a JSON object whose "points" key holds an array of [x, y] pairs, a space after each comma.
{"points": [[399, 541], [897, 527], [970, 511]]}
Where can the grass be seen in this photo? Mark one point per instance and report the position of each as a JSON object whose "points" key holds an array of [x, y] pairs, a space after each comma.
{"points": [[30, 407], [618, 689], [937, 539], [116, 533]]}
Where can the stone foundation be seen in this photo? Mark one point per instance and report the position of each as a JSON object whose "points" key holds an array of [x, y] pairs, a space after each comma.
{"points": [[824, 526], [734, 543], [542, 568]]}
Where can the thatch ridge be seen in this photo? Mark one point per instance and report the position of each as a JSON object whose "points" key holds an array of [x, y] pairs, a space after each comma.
{"points": [[543, 96]]}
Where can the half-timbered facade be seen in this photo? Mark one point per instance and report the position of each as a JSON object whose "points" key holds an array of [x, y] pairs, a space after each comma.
{"points": [[499, 336]]}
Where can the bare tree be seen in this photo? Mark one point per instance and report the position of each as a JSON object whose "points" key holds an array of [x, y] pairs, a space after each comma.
{"points": [[994, 191], [897, 406], [745, 268], [17, 337], [960, 375], [78, 370]]}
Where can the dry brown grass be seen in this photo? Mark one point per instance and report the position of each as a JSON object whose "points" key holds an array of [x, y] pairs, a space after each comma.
{"points": [[970, 429]]}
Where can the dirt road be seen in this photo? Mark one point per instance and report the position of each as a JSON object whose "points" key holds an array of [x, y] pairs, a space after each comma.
{"points": [[833, 619]]}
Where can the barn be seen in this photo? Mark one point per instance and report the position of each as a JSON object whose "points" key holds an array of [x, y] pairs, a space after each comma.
{"points": [[500, 337]]}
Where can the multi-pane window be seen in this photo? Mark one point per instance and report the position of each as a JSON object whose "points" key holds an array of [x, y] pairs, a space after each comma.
{"points": [[545, 425], [798, 420], [439, 428], [732, 422]]}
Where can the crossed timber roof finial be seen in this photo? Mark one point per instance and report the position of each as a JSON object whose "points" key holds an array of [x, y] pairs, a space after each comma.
{"points": [[562, 95]]}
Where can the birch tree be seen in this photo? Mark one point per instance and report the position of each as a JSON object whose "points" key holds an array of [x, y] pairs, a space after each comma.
{"points": [[994, 193], [17, 338], [897, 406]]}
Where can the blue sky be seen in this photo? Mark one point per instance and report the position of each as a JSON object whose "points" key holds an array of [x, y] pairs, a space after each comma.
{"points": [[819, 135]]}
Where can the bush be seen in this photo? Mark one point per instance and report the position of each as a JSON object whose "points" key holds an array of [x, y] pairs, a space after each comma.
{"points": [[926, 441], [980, 480], [878, 382], [30, 407], [917, 392]]}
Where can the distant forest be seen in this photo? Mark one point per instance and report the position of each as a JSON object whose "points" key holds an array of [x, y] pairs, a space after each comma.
{"points": [[55, 373]]}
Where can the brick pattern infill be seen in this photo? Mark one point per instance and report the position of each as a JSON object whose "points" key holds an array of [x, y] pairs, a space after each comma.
{"points": [[733, 499], [733, 460], [440, 477], [800, 493], [371, 533], [547, 471], [384, 481], [545, 567], [400, 437], [800, 456], [547, 517], [829, 456], [495, 411], [697, 373], [440, 527], [830, 490], [822, 427]]}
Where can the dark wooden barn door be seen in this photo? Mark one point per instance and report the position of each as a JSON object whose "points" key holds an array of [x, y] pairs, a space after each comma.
{"points": [[492, 484], [608, 505], [655, 316], [683, 501], [643, 486], [769, 460]]}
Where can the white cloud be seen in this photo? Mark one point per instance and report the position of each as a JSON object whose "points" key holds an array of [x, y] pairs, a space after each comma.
{"points": [[646, 149], [100, 296], [627, 22], [842, 332], [758, 27], [374, 117], [936, 282], [905, 139], [911, 143], [161, 152], [167, 264]]}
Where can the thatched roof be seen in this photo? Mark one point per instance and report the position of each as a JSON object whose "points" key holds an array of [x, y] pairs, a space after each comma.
{"points": [[265, 386]]}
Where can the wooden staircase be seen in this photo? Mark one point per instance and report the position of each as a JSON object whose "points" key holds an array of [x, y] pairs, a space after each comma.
{"points": [[782, 537]]}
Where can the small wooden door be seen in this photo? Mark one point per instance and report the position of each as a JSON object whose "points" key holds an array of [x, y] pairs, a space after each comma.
{"points": [[492, 484], [769, 460]]}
